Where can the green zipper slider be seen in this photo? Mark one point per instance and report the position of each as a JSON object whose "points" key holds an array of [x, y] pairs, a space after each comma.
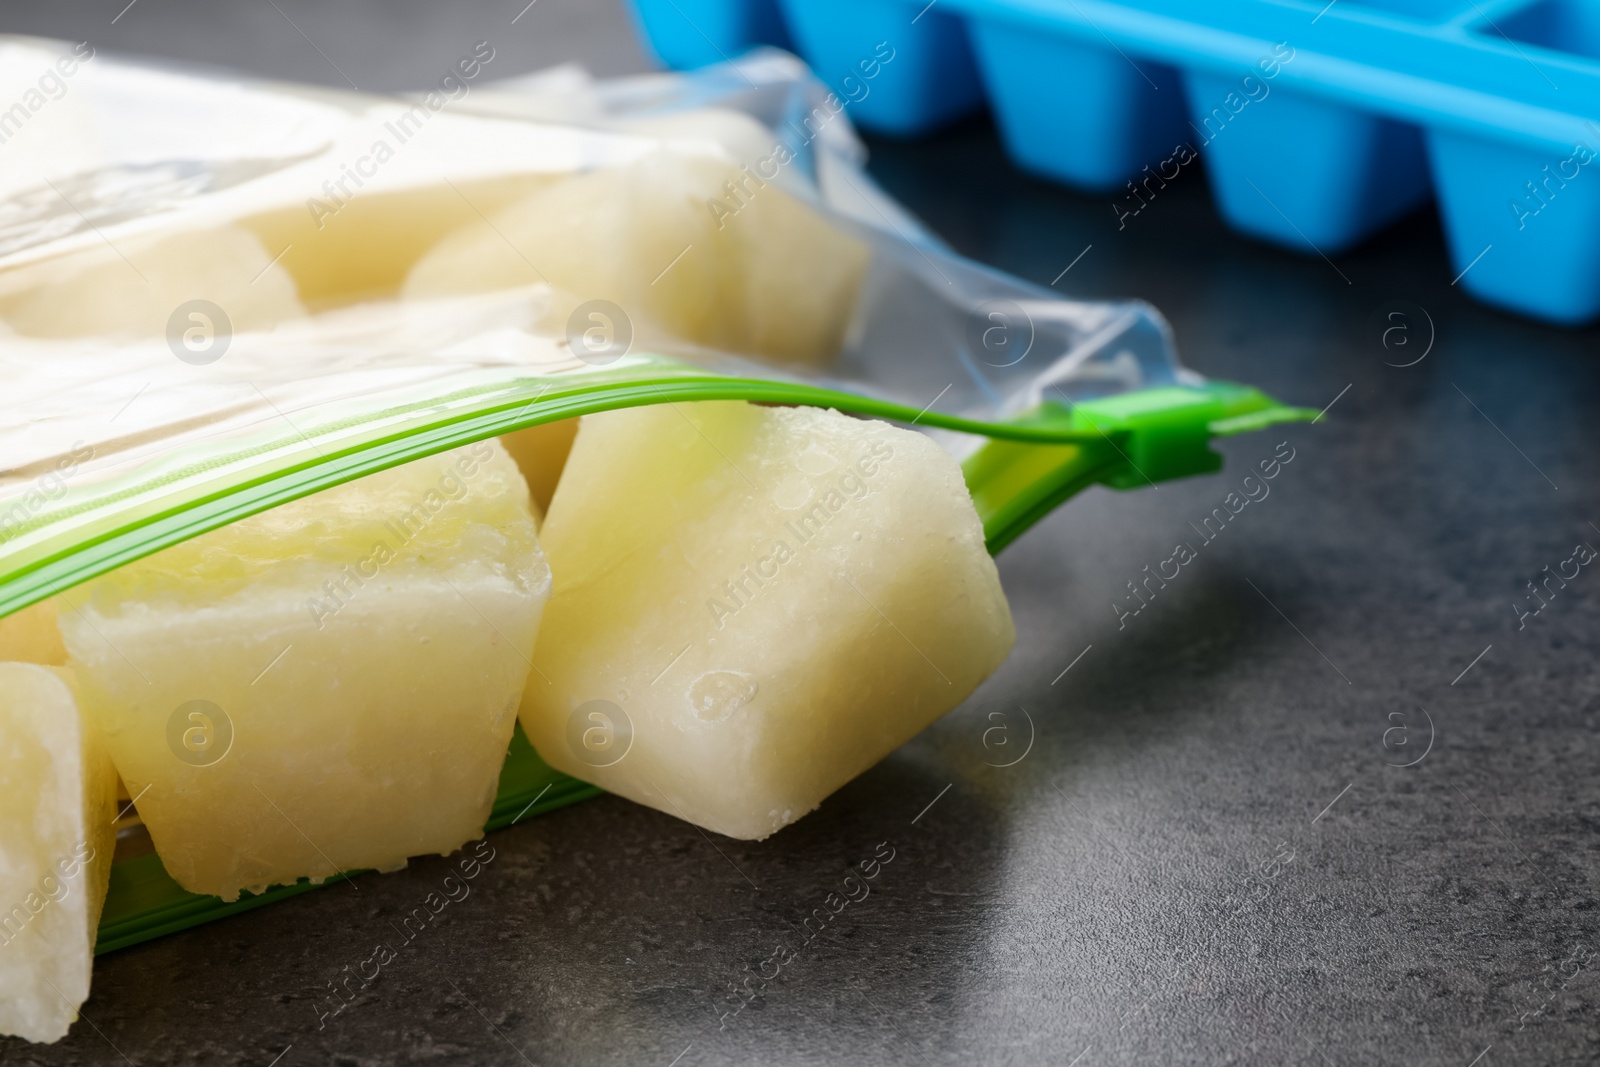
{"points": [[1144, 437]]}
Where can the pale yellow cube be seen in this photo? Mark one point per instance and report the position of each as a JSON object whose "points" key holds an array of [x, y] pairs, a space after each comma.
{"points": [[57, 805], [326, 686], [691, 247], [753, 605], [149, 287]]}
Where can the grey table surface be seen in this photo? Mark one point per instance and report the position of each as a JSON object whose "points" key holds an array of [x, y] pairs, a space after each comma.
{"points": [[1209, 853]]}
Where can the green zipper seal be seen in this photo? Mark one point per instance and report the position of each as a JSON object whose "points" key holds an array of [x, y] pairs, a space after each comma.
{"points": [[1029, 465]]}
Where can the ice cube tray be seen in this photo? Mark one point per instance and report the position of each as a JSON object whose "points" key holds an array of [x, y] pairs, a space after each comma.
{"points": [[1319, 122]]}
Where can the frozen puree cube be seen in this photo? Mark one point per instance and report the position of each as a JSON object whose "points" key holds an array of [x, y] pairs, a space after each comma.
{"points": [[753, 605], [691, 247], [328, 685], [337, 253], [99, 291], [57, 804]]}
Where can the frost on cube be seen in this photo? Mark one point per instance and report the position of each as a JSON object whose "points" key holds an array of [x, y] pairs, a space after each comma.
{"points": [[753, 605], [326, 686]]}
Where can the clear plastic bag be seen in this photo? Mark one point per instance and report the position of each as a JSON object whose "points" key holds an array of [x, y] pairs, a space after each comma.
{"points": [[128, 154], [218, 295]]}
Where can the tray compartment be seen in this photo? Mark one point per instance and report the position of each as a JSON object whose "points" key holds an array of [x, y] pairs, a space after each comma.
{"points": [[1076, 112], [1537, 211], [1298, 171], [695, 33], [931, 79], [1560, 25]]}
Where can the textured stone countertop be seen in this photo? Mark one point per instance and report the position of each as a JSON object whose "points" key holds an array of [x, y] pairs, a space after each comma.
{"points": [[1208, 854]]}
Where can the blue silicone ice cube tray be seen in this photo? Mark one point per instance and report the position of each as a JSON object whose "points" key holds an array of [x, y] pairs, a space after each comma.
{"points": [[1320, 122]]}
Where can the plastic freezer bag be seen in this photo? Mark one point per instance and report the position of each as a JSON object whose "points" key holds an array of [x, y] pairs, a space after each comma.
{"points": [[219, 296]]}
